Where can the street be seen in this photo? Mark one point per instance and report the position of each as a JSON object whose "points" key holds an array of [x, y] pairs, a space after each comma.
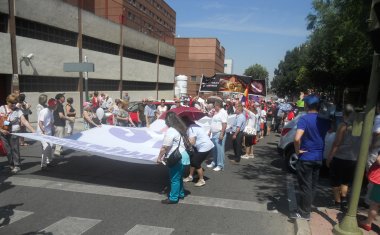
{"points": [[86, 194]]}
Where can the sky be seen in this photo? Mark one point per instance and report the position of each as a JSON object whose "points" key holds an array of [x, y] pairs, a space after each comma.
{"points": [[251, 31]]}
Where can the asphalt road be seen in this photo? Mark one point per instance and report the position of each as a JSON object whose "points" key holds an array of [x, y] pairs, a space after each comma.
{"points": [[86, 194]]}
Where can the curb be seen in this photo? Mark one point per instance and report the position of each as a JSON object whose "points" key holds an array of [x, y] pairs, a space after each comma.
{"points": [[301, 227]]}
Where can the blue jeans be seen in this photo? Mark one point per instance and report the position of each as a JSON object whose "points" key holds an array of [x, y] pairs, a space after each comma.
{"points": [[218, 150], [176, 182]]}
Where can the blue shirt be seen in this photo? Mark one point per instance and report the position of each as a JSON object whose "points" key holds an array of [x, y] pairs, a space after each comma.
{"points": [[313, 139], [149, 110], [239, 121]]}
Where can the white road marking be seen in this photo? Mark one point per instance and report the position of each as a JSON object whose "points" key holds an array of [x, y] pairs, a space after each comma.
{"points": [[130, 193], [9, 216], [70, 225], [291, 193], [149, 230]]}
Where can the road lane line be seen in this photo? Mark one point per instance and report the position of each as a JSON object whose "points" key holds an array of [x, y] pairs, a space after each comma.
{"points": [[139, 229], [70, 225], [131, 193], [292, 200], [9, 216]]}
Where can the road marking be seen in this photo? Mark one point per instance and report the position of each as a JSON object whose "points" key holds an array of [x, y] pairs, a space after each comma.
{"points": [[9, 216], [291, 193], [130, 193], [149, 230], [70, 225]]}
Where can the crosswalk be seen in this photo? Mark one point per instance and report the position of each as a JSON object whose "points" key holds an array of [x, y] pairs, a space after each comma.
{"points": [[75, 225]]}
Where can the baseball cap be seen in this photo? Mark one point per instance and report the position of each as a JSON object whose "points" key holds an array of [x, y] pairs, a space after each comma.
{"points": [[52, 102], [311, 99]]}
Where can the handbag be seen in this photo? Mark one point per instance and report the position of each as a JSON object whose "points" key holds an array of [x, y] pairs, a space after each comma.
{"points": [[174, 157], [248, 130], [3, 150], [374, 174]]}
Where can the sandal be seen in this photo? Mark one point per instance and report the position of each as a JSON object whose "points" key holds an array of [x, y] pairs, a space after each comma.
{"points": [[364, 226]]}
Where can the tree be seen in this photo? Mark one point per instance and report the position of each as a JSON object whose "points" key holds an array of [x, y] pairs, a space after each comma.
{"points": [[258, 71]]}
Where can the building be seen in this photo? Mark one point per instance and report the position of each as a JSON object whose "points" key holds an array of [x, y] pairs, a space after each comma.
{"points": [[51, 33], [228, 66], [152, 17], [196, 57]]}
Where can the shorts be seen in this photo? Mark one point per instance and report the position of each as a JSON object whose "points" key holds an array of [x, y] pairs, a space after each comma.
{"points": [[342, 172], [248, 140], [198, 158], [375, 193]]}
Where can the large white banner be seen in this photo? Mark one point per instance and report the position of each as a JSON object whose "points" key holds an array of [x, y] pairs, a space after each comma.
{"points": [[137, 145]]}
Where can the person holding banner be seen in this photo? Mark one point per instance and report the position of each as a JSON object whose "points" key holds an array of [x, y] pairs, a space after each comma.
{"points": [[174, 138], [237, 137]]}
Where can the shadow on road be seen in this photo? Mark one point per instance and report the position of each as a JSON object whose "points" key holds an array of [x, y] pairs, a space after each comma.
{"points": [[6, 212]]}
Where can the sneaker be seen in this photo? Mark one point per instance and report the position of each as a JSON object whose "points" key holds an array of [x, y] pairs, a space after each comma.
{"points": [[251, 156], [296, 215], [200, 183], [188, 179], [16, 169], [211, 165], [218, 168], [245, 156]]}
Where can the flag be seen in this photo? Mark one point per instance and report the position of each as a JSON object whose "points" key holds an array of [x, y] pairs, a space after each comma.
{"points": [[246, 93]]}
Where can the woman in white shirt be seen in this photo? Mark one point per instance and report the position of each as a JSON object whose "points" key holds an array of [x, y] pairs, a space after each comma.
{"points": [[161, 108], [203, 145], [174, 137], [250, 131]]}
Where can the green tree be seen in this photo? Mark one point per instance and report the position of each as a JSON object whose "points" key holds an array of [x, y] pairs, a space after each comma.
{"points": [[258, 71]]}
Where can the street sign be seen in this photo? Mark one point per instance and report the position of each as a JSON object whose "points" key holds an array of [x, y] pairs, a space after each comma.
{"points": [[78, 67]]}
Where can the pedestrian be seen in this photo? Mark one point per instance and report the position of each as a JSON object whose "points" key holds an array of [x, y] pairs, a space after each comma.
{"points": [[126, 97], [149, 112], [250, 131], [218, 136], [161, 108], [174, 138], [375, 200], [309, 145], [90, 120], [263, 121], [203, 147], [70, 112], [95, 101], [42, 103], [60, 122], [342, 158], [177, 103], [13, 118], [46, 127], [122, 116], [141, 116], [237, 134], [25, 108]]}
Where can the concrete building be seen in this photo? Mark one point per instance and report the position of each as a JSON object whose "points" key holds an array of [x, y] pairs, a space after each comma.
{"points": [[197, 56], [228, 66], [49, 33], [152, 17]]}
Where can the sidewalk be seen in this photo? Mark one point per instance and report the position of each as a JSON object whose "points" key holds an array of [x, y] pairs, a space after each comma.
{"points": [[323, 220]]}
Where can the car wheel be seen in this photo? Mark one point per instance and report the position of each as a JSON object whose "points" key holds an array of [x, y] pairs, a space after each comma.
{"points": [[291, 159]]}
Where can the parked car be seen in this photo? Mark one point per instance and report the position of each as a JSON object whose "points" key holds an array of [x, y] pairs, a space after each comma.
{"points": [[134, 107], [285, 146]]}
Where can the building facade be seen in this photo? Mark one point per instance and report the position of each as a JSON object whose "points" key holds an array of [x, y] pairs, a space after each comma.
{"points": [[196, 57], [51, 33], [228, 66]]}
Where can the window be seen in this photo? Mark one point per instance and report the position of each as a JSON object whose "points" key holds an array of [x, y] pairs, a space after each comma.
{"points": [[31, 29], [225, 65], [100, 45], [166, 61], [138, 86], [193, 78], [165, 86], [48, 84], [3, 23], [102, 85], [139, 55]]}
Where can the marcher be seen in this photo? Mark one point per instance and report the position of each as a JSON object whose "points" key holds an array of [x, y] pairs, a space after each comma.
{"points": [[343, 157], [70, 112], [95, 101], [149, 112], [174, 137], [250, 131], [161, 108], [25, 108], [122, 116], [46, 127], [203, 147], [308, 145], [14, 118], [42, 100], [237, 133], [141, 116], [90, 119], [177, 104], [60, 122], [218, 136], [126, 97]]}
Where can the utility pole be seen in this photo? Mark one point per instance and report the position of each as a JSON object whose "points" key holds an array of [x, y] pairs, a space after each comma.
{"points": [[79, 44], [12, 31], [349, 224]]}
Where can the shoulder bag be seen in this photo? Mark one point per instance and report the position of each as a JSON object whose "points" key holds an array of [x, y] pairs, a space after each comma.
{"points": [[174, 157]]}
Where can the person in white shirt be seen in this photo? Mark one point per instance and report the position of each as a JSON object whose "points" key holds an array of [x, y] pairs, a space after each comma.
{"points": [[263, 122], [218, 136], [203, 145], [46, 127], [162, 108], [250, 131]]}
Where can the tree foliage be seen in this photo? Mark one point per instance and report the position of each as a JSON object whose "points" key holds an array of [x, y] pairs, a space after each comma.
{"points": [[257, 71], [337, 54]]}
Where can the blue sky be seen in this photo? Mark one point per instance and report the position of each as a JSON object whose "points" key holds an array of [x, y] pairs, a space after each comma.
{"points": [[251, 31]]}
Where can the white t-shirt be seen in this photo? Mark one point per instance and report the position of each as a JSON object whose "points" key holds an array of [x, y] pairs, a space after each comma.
{"points": [[376, 125], [202, 141], [172, 138], [14, 117], [263, 116], [252, 119], [161, 109], [47, 117], [217, 120]]}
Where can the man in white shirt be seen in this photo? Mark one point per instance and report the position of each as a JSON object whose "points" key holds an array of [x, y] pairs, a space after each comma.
{"points": [[46, 127], [218, 136]]}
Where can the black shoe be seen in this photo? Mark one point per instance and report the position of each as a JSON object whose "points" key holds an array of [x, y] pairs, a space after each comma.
{"points": [[167, 201], [296, 215]]}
